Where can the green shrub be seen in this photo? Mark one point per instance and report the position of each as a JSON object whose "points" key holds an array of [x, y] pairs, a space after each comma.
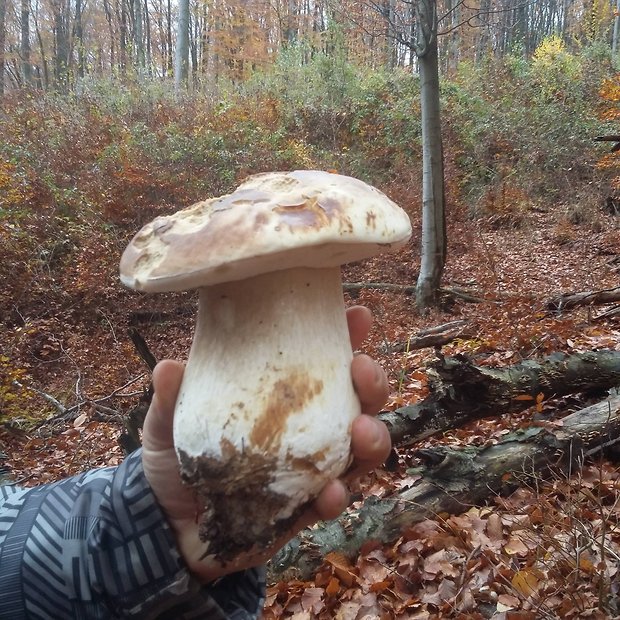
{"points": [[525, 130]]}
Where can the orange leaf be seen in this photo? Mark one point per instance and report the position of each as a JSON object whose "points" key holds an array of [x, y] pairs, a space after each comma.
{"points": [[342, 567], [523, 397], [586, 565], [333, 587], [526, 581], [380, 586]]}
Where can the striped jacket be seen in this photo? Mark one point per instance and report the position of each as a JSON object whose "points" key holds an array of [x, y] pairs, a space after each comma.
{"points": [[98, 546]]}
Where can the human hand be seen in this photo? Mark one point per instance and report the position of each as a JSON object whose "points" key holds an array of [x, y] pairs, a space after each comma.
{"points": [[370, 445]]}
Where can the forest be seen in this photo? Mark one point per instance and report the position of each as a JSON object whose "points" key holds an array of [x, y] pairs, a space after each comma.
{"points": [[492, 123]]}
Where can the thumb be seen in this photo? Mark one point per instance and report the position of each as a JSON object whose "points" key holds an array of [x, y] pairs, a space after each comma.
{"points": [[157, 432]]}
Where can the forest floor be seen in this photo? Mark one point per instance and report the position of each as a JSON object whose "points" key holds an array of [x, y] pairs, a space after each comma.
{"points": [[481, 564]]}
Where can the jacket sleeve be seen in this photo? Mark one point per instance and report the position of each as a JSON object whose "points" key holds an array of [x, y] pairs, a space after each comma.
{"points": [[97, 545]]}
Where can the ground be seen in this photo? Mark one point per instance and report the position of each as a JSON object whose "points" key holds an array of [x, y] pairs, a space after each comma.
{"points": [[83, 358]]}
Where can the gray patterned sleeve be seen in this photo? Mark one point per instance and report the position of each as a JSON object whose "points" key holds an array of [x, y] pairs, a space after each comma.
{"points": [[98, 546]]}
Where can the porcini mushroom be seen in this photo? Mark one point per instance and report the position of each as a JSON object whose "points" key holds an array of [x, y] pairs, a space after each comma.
{"points": [[264, 412]]}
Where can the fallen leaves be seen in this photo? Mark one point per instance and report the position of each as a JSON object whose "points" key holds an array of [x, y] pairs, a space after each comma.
{"points": [[526, 558], [547, 551], [50, 457]]}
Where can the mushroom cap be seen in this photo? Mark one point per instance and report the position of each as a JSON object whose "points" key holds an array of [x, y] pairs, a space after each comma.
{"points": [[272, 221]]}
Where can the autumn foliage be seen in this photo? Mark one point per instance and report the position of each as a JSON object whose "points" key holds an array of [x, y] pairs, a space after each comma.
{"points": [[526, 184]]}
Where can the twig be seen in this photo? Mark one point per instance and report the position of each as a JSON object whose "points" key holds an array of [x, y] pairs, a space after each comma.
{"points": [[107, 320], [66, 413], [116, 393], [47, 397]]}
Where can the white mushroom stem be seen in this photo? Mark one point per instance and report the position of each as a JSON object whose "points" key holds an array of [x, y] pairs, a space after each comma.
{"points": [[264, 413]]}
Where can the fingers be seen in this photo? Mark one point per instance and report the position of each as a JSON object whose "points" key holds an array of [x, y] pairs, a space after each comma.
{"points": [[167, 377], [370, 445], [332, 501], [370, 382], [359, 319]]}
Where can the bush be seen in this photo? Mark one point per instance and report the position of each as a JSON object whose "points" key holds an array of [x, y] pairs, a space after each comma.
{"points": [[524, 129]]}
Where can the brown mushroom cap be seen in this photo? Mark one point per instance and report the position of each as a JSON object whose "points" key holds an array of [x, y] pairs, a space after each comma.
{"points": [[273, 221]]}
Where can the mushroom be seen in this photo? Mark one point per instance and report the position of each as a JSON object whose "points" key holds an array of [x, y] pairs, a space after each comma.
{"points": [[264, 412]]}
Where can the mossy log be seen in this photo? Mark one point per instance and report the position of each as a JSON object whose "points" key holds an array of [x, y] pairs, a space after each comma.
{"points": [[461, 391], [452, 481]]}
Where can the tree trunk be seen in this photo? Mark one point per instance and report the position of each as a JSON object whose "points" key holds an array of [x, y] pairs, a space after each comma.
{"points": [[109, 20], [61, 45], [147, 38], [453, 480], [138, 36], [25, 44], [44, 80], [484, 36], [194, 40], [616, 32], [204, 42], [78, 31], [433, 202], [389, 36], [2, 43], [461, 392], [181, 57], [123, 37], [169, 51]]}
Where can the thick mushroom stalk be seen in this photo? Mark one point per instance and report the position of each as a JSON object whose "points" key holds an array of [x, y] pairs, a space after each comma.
{"points": [[264, 413]]}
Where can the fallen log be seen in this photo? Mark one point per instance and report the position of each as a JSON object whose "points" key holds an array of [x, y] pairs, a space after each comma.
{"points": [[356, 287], [455, 292], [566, 301], [461, 392], [432, 337], [453, 481], [608, 314]]}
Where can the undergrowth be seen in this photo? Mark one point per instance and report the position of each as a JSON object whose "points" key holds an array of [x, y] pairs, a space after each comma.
{"points": [[566, 534], [81, 172]]}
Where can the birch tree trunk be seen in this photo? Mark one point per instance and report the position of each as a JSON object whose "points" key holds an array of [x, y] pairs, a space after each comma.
{"points": [[181, 56], [433, 202]]}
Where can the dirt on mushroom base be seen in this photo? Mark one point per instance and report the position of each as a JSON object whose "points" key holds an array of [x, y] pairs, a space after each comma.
{"points": [[229, 490]]}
